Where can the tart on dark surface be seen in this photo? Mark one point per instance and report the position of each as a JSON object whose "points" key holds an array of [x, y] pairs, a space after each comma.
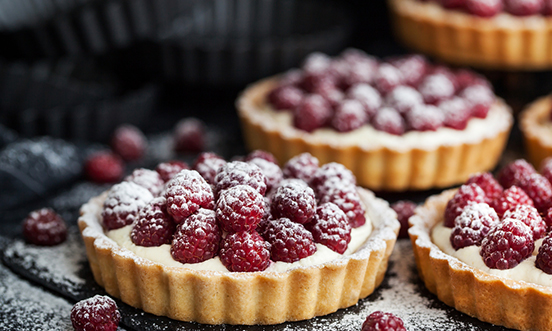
{"points": [[536, 127]]}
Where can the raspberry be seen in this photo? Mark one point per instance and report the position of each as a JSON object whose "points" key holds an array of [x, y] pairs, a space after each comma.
{"points": [[328, 90], [271, 171], [302, 166], [530, 216], [523, 7], [313, 113], [189, 136], [330, 227], [197, 238], [539, 189], [368, 96], [313, 81], [380, 321], [123, 203], [548, 218], [104, 167], [96, 313], [457, 113], [512, 173], [289, 241], [546, 168], [403, 99], [510, 198], [389, 120], [413, 68], [44, 227], [480, 98], [245, 252], [424, 118], [208, 164], [148, 179], [387, 78], [346, 198], [547, 9], [294, 200], [465, 194], [508, 243], [186, 193], [154, 226], [493, 190], [349, 115], [261, 155], [453, 3], [129, 142], [362, 71], [167, 170], [240, 208], [472, 225], [330, 170], [404, 209], [240, 173], [447, 72], [316, 62], [484, 8], [291, 77], [285, 97], [466, 78], [436, 88], [544, 256]]}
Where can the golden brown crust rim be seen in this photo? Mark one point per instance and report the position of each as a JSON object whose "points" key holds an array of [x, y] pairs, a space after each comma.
{"points": [[489, 298], [537, 146], [212, 297], [507, 43], [379, 168]]}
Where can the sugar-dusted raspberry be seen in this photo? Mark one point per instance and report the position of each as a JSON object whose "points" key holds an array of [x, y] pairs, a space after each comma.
{"points": [[352, 55], [99, 312], [380, 321], [271, 171], [44, 227], [539, 189], [389, 120], [328, 90], [472, 225], [424, 118], [291, 77], [457, 113], [512, 173], [123, 203], [510, 198], [523, 7], [530, 216], [261, 155], [368, 96], [547, 9], [465, 194], [485, 180], [197, 238], [361, 71], [316, 62], [302, 166], [328, 171], [104, 167], [546, 168], [189, 135], [466, 78], [289, 241], [148, 179], [547, 217], [404, 209], [330, 227], [484, 8], [480, 97], [446, 71], [544, 256], [240, 173], [387, 78], [240, 208], [154, 226], [453, 3], [167, 170], [186, 193], [129, 142], [413, 68], [208, 164], [349, 115], [245, 252], [346, 198], [403, 99], [294, 200], [507, 244], [285, 97], [313, 113], [436, 88]]}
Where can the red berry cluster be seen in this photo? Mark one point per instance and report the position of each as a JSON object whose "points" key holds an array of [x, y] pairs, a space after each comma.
{"points": [[490, 8], [224, 209], [396, 95]]}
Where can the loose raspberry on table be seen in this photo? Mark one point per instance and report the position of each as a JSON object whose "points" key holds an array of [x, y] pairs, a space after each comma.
{"points": [[330, 227], [424, 118], [368, 96], [457, 113], [380, 321], [44, 227], [240, 173], [96, 313], [154, 226], [240, 208], [104, 167], [530, 216], [245, 252], [302, 166], [328, 171], [539, 189], [346, 198], [465, 194], [544, 256], [349, 115], [507, 244], [289, 241], [285, 97], [484, 8], [186, 193], [208, 164], [512, 173], [403, 99], [523, 7], [148, 179], [510, 198], [472, 225], [493, 190], [167, 170], [294, 200], [129, 142], [480, 98], [389, 120], [261, 155], [404, 209], [413, 68], [197, 238], [546, 168], [189, 135], [123, 203], [436, 88], [313, 113], [270, 170]]}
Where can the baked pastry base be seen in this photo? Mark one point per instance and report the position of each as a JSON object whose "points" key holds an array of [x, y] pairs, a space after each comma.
{"points": [[536, 127], [213, 297], [503, 42], [489, 298]]}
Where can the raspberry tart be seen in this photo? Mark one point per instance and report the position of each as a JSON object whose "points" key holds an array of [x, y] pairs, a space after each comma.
{"points": [[485, 250], [489, 34], [398, 124], [224, 249], [536, 127]]}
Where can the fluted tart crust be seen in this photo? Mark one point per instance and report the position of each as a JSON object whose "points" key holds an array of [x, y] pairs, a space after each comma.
{"points": [[536, 127]]}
